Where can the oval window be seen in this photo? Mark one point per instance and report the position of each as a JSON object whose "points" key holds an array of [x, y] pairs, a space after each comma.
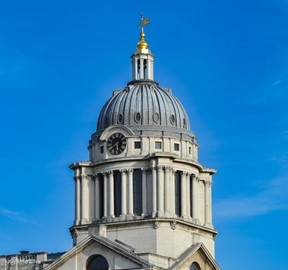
{"points": [[137, 117], [120, 118], [156, 117], [172, 119]]}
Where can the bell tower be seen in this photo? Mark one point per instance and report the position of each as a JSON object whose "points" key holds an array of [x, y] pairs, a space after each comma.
{"points": [[143, 186]]}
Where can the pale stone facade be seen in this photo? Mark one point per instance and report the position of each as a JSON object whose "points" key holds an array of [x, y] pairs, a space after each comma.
{"points": [[142, 200]]}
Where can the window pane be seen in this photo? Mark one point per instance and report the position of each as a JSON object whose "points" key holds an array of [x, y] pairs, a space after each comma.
{"points": [[97, 262], [176, 146], [137, 145], [158, 145]]}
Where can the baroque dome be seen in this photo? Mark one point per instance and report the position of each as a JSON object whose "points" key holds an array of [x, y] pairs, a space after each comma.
{"points": [[143, 103]]}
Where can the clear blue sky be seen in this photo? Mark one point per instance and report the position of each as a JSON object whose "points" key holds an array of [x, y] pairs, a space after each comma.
{"points": [[226, 60]]}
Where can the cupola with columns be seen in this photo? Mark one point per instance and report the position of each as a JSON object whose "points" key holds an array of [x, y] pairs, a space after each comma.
{"points": [[143, 184]]}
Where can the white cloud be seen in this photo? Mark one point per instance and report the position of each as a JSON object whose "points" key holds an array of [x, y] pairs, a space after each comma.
{"points": [[13, 215], [273, 197]]}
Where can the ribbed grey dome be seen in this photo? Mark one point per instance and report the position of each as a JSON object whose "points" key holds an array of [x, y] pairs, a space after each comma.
{"points": [[143, 103]]}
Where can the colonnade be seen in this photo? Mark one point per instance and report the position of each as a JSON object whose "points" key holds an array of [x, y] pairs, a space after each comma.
{"points": [[97, 197], [142, 67]]}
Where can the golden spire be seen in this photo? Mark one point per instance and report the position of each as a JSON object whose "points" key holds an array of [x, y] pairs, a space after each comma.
{"points": [[142, 45]]}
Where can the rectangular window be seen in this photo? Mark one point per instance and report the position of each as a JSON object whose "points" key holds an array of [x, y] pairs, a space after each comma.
{"points": [[189, 150], [176, 146], [137, 145], [101, 149], [137, 192], [158, 145]]}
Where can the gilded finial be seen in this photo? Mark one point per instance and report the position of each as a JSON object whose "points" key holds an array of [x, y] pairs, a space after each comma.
{"points": [[142, 44]]}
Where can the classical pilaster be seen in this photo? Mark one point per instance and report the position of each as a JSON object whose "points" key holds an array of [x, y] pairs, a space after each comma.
{"points": [[84, 199], [97, 196], [111, 195], [208, 206], [154, 192], [195, 206], [167, 192], [105, 197], [130, 191], [144, 192], [184, 194], [141, 68], [123, 193], [188, 194], [172, 191], [160, 193], [77, 179]]}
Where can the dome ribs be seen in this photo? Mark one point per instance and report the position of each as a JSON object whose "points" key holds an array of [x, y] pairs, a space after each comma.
{"points": [[143, 104]]}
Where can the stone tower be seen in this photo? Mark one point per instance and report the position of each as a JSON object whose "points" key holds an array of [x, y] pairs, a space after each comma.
{"points": [[142, 200]]}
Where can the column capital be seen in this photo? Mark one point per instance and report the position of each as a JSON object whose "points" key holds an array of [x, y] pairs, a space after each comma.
{"points": [[84, 176], [107, 172], [160, 167], [130, 170], [167, 168], [123, 170], [77, 177], [208, 182]]}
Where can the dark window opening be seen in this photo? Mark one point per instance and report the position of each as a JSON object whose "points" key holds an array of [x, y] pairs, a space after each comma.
{"points": [[102, 149], [101, 195], [137, 145], [117, 193], [97, 262], [137, 192], [178, 193], [195, 266], [176, 146]]}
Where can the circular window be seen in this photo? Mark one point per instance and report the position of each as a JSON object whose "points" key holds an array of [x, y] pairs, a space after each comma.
{"points": [[137, 117], [172, 119], [156, 117], [120, 118]]}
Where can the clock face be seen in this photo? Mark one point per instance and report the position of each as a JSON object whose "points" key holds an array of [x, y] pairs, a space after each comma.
{"points": [[116, 143]]}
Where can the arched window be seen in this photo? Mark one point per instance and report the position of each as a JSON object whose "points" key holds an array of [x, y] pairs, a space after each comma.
{"points": [[97, 262], [195, 266]]}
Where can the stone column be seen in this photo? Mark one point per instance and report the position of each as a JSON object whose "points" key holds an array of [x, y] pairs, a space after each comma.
{"points": [[111, 195], [195, 199], [144, 192], [208, 206], [184, 194], [123, 193], [154, 192], [167, 191], [172, 191], [160, 193], [130, 191], [188, 194], [84, 199], [97, 196], [105, 194], [141, 68], [77, 196]]}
